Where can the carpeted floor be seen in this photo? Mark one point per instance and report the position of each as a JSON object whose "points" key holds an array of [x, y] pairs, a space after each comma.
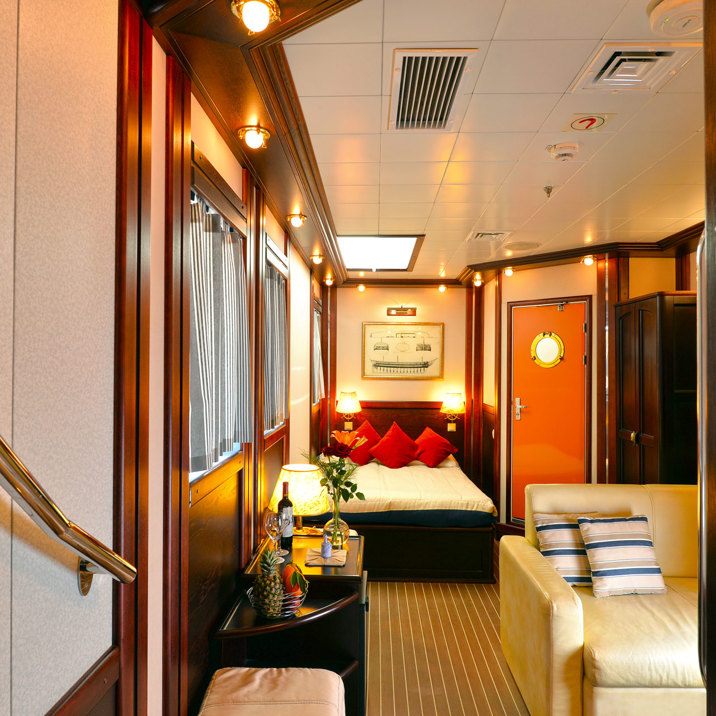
{"points": [[434, 649]]}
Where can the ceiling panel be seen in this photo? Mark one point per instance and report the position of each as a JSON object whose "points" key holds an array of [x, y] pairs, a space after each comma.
{"points": [[355, 227], [466, 193], [348, 173], [418, 146], [405, 210], [458, 211], [632, 23], [490, 146], [412, 173], [347, 194], [549, 172], [403, 226], [356, 211], [361, 22], [342, 115], [588, 144], [669, 112], [508, 112], [690, 79], [393, 193], [346, 147], [477, 172]]}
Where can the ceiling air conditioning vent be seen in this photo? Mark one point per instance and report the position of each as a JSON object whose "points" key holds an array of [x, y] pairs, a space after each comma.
{"points": [[431, 88], [639, 66], [483, 236]]}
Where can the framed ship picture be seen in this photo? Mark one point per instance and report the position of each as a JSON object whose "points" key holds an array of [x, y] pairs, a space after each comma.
{"points": [[403, 351]]}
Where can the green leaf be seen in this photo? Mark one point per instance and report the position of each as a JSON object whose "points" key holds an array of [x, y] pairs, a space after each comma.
{"points": [[360, 495]]}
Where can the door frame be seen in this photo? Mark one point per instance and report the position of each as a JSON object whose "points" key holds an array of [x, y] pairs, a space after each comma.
{"points": [[511, 305]]}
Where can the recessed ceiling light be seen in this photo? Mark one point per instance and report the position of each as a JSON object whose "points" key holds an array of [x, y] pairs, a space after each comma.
{"points": [[377, 253], [508, 252], [254, 136], [588, 240], [256, 14], [588, 260], [361, 287], [442, 288], [509, 271]]}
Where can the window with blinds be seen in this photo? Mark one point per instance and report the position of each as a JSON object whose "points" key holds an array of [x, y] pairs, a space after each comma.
{"points": [[219, 355], [318, 391], [275, 350]]}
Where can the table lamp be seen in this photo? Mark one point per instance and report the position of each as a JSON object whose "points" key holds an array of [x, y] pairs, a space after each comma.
{"points": [[309, 497], [453, 405], [349, 406]]}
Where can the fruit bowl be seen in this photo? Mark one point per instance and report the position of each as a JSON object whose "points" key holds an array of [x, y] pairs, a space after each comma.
{"points": [[290, 603]]}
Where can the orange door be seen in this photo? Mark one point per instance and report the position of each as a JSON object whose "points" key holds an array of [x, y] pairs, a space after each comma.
{"points": [[548, 400]]}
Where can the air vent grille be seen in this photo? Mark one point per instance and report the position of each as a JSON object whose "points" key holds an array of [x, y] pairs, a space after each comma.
{"points": [[483, 236], [430, 88]]}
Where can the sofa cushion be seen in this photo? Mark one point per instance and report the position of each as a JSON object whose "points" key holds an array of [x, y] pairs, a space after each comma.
{"points": [[621, 556], [643, 641]]}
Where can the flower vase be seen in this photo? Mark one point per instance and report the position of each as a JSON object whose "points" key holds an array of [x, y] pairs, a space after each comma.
{"points": [[337, 529]]}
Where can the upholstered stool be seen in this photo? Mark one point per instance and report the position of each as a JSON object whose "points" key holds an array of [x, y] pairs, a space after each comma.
{"points": [[245, 691]]}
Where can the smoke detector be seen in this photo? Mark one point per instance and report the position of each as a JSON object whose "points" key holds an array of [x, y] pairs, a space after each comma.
{"points": [[564, 151], [676, 18]]}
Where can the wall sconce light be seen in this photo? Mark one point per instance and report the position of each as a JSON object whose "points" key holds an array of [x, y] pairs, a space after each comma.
{"points": [[304, 489], [509, 271], [361, 287], [442, 288], [254, 136], [328, 281], [477, 280], [256, 14], [296, 220], [588, 260], [349, 406], [453, 405], [317, 259]]}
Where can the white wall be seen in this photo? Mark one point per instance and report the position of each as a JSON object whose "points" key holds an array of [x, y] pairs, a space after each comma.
{"points": [[542, 283], [355, 307], [58, 137], [299, 396]]}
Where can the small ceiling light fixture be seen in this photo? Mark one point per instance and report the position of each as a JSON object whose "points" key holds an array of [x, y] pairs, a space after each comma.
{"points": [[508, 252], [296, 220], [328, 281], [588, 240], [477, 280], [361, 287], [442, 272], [254, 136], [588, 260], [317, 259], [509, 271], [256, 14], [442, 288]]}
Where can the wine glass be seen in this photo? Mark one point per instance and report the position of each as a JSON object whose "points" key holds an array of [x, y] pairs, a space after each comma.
{"points": [[271, 525], [283, 522]]}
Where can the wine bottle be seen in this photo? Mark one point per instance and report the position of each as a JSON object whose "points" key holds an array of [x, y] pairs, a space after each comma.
{"points": [[285, 506]]}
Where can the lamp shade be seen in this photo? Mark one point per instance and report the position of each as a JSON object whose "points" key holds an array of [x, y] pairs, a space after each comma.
{"points": [[453, 403], [348, 404], [304, 490]]}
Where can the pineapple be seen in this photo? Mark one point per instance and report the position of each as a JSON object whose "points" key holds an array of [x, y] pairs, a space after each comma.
{"points": [[268, 587]]}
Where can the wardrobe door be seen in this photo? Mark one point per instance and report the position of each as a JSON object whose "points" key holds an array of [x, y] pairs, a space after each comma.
{"points": [[627, 423], [649, 390]]}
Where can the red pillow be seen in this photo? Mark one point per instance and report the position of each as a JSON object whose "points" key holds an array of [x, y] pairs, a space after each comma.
{"points": [[396, 449], [361, 455], [433, 448]]}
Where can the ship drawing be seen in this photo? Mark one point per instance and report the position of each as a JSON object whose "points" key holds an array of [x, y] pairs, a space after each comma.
{"points": [[400, 352]]}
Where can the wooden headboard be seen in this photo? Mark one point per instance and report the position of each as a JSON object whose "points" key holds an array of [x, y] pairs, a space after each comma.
{"points": [[413, 417]]}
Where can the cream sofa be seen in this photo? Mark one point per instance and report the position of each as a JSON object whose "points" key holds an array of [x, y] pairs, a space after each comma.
{"points": [[571, 653]]}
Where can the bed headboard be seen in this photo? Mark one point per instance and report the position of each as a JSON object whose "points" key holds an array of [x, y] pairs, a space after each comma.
{"points": [[413, 417]]}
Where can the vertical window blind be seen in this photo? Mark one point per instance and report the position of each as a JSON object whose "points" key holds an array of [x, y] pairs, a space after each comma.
{"points": [[219, 361], [318, 390], [275, 350]]}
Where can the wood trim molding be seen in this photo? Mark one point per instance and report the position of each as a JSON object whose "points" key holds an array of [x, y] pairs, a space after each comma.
{"points": [[600, 332], [131, 447], [683, 273], [497, 443], [91, 687]]}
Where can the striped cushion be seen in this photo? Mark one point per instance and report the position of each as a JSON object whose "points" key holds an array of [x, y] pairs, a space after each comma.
{"points": [[560, 541], [621, 555]]}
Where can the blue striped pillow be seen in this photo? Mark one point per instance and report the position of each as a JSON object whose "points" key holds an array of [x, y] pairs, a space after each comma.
{"points": [[560, 541], [621, 555]]}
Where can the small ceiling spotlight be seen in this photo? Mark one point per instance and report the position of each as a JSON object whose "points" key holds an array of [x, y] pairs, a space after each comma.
{"points": [[508, 252], [588, 260], [296, 220], [588, 240], [509, 271], [317, 259], [328, 281], [442, 272], [361, 273], [442, 288], [256, 14], [361, 287], [254, 136]]}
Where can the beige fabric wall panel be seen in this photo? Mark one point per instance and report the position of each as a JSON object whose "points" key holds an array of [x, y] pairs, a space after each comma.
{"points": [[8, 53], [299, 398], [63, 333], [432, 306], [651, 275]]}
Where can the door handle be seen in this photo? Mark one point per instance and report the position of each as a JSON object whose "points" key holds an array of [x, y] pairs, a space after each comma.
{"points": [[633, 436], [519, 407]]}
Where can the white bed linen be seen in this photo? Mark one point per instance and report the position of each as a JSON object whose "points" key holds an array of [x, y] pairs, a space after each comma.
{"points": [[417, 487]]}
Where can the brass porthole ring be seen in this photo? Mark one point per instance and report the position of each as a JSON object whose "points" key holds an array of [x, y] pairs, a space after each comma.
{"points": [[547, 349]]}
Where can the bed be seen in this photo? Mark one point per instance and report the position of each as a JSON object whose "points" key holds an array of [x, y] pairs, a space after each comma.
{"points": [[421, 522]]}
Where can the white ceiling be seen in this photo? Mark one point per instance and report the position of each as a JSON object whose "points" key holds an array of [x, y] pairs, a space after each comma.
{"points": [[640, 179]]}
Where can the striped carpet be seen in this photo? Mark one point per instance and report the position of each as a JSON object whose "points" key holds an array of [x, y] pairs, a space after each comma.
{"points": [[434, 649]]}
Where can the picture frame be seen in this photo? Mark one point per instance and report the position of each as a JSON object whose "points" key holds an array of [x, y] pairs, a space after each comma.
{"points": [[402, 351]]}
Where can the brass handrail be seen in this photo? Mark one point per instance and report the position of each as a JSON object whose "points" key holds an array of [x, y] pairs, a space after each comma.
{"points": [[27, 492]]}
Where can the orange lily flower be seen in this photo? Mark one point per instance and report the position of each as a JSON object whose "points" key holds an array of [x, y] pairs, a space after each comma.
{"points": [[350, 439]]}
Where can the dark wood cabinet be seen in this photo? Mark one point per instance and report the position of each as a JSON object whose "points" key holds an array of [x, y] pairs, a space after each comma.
{"points": [[655, 392]]}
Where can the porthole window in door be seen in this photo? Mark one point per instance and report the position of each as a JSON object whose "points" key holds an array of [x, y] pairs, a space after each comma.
{"points": [[547, 349]]}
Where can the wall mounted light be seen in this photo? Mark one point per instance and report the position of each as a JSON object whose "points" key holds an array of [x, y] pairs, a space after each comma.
{"points": [[442, 288], [328, 281], [588, 260], [453, 405], [477, 280], [361, 287], [509, 271], [254, 136], [508, 252], [256, 14], [349, 406], [296, 220], [317, 259]]}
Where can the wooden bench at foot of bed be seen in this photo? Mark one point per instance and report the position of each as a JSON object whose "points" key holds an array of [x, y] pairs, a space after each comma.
{"points": [[403, 553]]}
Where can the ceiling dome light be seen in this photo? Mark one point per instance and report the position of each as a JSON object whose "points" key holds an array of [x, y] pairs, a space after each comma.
{"points": [[361, 287], [317, 259], [328, 281], [509, 271], [297, 220], [588, 260], [254, 136], [256, 14], [442, 288], [477, 281]]}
